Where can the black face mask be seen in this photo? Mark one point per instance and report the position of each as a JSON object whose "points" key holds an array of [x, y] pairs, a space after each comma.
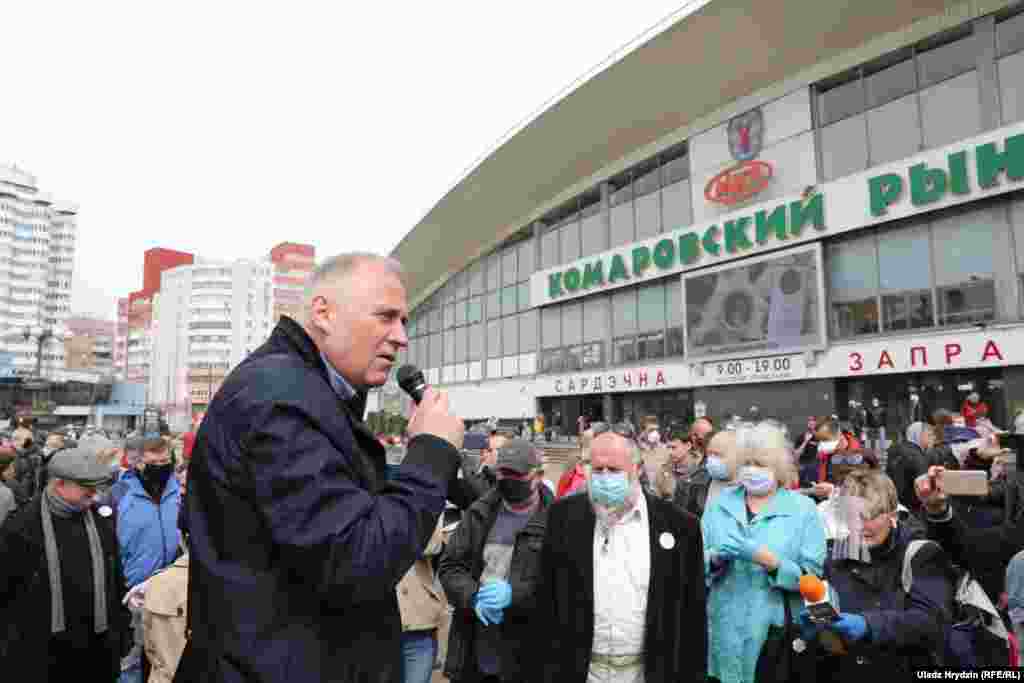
{"points": [[155, 477], [515, 491]]}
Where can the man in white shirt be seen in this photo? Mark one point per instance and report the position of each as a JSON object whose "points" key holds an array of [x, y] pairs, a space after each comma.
{"points": [[622, 582]]}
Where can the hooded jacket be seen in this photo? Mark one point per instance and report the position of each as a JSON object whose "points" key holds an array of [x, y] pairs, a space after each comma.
{"points": [[147, 531]]}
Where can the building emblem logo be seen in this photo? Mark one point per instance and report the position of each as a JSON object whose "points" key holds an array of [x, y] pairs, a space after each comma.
{"points": [[749, 176], [746, 133]]}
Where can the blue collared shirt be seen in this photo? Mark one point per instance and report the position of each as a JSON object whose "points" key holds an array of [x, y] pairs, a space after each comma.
{"points": [[342, 388]]}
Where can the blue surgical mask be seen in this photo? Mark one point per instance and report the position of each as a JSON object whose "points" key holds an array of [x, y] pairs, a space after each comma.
{"points": [[716, 467], [758, 481], [609, 488]]}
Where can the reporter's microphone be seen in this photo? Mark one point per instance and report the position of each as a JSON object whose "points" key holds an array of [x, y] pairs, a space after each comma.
{"points": [[410, 378], [815, 594]]}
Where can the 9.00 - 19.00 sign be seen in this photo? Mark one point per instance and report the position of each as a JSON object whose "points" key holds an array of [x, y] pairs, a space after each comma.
{"points": [[754, 369]]}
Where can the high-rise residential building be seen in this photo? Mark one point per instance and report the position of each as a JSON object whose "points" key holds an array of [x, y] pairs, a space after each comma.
{"points": [[133, 338], [89, 345], [208, 316], [37, 255], [293, 264]]}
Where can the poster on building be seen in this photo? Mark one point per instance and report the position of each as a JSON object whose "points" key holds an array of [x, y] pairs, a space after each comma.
{"points": [[772, 304]]}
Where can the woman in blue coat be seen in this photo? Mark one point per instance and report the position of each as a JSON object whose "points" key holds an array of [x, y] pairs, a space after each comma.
{"points": [[759, 539]]}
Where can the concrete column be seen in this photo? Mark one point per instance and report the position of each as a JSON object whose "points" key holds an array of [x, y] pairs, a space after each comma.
{"points": [[538, 230]]}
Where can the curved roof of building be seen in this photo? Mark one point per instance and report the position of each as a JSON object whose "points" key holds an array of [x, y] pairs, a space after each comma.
{"points": [[726, 50]]}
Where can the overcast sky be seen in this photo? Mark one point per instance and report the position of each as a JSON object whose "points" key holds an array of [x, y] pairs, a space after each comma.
{"points": [[223, 128]]}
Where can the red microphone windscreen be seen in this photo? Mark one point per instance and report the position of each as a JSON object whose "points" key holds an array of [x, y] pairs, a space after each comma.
{"points": [[811, 588]]}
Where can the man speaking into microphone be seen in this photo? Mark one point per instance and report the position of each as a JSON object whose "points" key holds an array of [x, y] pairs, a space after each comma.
{"points": [[297, 540]]}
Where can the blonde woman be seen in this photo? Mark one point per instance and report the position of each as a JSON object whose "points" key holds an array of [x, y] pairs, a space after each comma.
{"points": [[759, 539]]}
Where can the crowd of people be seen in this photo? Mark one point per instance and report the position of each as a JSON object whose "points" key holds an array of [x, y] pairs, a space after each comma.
{"points": [[303, 552]]}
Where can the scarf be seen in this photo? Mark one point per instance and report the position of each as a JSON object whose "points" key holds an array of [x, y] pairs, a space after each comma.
{"points": [[53, 505]]}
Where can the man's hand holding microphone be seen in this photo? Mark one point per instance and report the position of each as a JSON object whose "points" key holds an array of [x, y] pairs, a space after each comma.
{"points": [[432, 414]]}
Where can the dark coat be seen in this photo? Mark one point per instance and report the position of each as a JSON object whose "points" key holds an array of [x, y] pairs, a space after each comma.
{"points": [[905, 631], [676, 635], [25, 627], [461, 566], [905, 462], [692, 491], [296, 540]]}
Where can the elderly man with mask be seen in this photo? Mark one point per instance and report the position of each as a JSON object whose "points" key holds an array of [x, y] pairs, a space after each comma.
{"points": [[60, 578], [489, 569], [622, 589]]}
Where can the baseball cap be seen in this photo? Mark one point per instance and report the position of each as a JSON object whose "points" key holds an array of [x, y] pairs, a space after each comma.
{"points": [[519, 456]]}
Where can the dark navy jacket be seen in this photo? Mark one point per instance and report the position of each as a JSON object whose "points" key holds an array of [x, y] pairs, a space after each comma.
{"points": [[297, 541], [905, 631]]}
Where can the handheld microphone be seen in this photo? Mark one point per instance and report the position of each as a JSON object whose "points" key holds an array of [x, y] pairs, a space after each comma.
{"points": [[410, 378], [815, 594]]}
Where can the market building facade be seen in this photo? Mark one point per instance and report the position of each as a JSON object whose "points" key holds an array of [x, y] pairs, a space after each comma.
{"points": [[850, 231]]}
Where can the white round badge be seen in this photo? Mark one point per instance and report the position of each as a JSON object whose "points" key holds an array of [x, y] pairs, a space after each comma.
{"points": [[667, 540], [105, 511]]}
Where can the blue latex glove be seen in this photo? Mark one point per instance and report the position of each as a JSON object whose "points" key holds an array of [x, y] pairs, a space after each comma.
{"points": [[850, 626], [739, 546], [808, 629], [487, 615], [481, 613], [495, 594]]}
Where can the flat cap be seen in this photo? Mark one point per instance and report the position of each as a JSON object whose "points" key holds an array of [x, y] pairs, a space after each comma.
{"points": [[519, 456], [79, 465]]}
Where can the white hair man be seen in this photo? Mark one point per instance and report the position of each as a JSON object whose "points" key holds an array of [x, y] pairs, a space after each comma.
{"points": [[297, 537], [622, 581]]}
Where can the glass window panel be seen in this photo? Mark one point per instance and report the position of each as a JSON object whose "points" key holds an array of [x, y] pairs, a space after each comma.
{"points": [[549, 249], [964, 248], [594, 235], [951, 111], [528, 331], [949, 60], [907, 310], [435, 320], [570, 233], [844, 147], [476, 342], [621, 192], [675, 170], [902, 259], [623, 228], [494, 339], [474, 310], [624, 312], [1011, 87], [510, 335], [673, 302], [854, 318], [841, 101], [573, 359], [508, 300], [460, 313], [647, 183], [448, 291], [853, 269], [596, 326], [462, 285], [968, 303], [891, 83], [676, 204], [461, 344], [1017, 221], [509, 269], [524, 296], [675, 341], [449, 316], [550, 327], [493, 305], [625, 350], [651, 307], [526, 259], [493, 272], [572, 323], [1010, 35], [449, 347], [593, 355], [650, 346], [476, 278], [894, 131], [648, 216], [435, 350]]}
